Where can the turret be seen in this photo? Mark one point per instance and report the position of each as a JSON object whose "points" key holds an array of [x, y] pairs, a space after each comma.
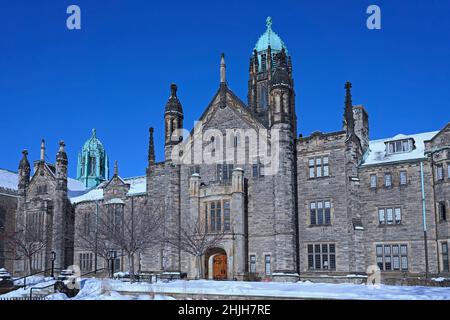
{"points": [[173, 118], [24, 173], [281, 121], [61, 166], [281, 109]]}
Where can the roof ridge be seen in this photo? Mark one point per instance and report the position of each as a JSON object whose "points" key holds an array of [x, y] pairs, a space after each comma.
{"points": [[9, 170], [406, 135]]}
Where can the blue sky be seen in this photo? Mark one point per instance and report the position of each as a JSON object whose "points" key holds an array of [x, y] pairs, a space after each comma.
{"points": [[114, 73]]}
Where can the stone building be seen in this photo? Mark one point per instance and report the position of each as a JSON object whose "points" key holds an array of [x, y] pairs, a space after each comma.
{"points": [[330, 204]]}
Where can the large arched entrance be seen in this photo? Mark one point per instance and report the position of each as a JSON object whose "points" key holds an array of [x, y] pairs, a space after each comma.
{"points": [[216, 264]]}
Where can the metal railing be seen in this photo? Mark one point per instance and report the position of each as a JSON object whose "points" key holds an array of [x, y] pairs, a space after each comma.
{"points": [[94, 272], [30, 275], [39, 288]]}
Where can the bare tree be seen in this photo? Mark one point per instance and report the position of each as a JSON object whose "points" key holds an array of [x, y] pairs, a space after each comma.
{"points": [[195, 240], [132, 232], [25, 241], [91, 235]]}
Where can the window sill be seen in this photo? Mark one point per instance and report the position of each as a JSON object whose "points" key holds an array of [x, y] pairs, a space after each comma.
{"points": [[319, 178], [390, 225], [319, 225]]}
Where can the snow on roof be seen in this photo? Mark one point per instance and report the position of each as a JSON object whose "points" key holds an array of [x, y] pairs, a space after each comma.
{"points": [[138, 185], [377, 149], [10, 179]]}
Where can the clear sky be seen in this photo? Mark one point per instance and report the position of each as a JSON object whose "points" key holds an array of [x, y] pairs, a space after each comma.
{"points": [[114, 74]]}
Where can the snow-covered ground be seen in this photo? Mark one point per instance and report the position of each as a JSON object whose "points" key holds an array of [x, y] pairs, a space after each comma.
{"points": [[97, 289], [290, 290], [32, 280]]}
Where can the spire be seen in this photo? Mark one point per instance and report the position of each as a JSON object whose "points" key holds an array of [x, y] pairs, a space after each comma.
{"points": [[349, 125], [151, 149], [173, 104], [173, 90], [116, 169], [62, 150], [222, 69], [42, 158], [24, 163], [24, 172], [269, 23]]}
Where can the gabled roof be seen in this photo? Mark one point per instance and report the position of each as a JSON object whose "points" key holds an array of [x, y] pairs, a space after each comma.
{"points": [[10, 179], [248, 116], [138, 185], [376, 154], [440, 133]]}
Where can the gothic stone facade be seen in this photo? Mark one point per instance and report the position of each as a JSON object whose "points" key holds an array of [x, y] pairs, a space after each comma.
{"points": [[337, 204]]}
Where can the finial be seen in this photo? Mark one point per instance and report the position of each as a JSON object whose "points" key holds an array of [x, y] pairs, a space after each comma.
{"points": [[62, 146], [25, 152], [116, 168], [348, 110], [222, 68], [269, 22], [42, 158], [173, 90], [94, 133], [151, 149]]}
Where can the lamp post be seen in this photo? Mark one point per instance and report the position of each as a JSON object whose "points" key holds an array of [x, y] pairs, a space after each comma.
{"points": [[112, 258], [53, 263]]}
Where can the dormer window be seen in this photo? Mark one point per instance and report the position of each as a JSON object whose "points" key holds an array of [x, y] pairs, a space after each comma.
{"points": [[399, 146]]}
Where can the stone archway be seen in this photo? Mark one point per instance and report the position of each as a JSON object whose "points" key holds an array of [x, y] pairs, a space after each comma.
{"points": [[216, 264]]}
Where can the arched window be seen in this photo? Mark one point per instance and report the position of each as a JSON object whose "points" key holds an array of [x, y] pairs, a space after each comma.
{"points": [[213, 147], [92, 165]]}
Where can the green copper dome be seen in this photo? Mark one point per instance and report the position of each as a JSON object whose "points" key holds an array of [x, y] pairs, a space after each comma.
{"points": [[93, 143], [92, 166], [269, 38]]}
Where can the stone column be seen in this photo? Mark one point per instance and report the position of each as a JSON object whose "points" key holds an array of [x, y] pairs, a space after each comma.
{"points": [[237, 208]]}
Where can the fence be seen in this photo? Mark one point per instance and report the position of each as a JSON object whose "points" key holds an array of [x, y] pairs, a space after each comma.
{"points": [[21, 298]]}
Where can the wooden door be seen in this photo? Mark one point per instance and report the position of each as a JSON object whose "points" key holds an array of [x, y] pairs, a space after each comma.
{"points": [[220, 267]]}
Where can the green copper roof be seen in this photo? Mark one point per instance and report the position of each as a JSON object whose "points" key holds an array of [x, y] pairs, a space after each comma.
{"points": [[93, 143], [269, 38]]}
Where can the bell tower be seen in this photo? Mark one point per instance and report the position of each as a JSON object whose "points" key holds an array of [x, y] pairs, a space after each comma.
{"points": [[263, 65]]}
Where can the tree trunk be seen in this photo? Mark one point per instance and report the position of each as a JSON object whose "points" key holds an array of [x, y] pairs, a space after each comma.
{"points": [[30, 261], [131, 264], [198, 260]]}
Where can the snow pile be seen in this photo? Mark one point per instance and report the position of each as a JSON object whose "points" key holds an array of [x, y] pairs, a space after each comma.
{"points": [[95, 289], [24, 292], [31, 280]]}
